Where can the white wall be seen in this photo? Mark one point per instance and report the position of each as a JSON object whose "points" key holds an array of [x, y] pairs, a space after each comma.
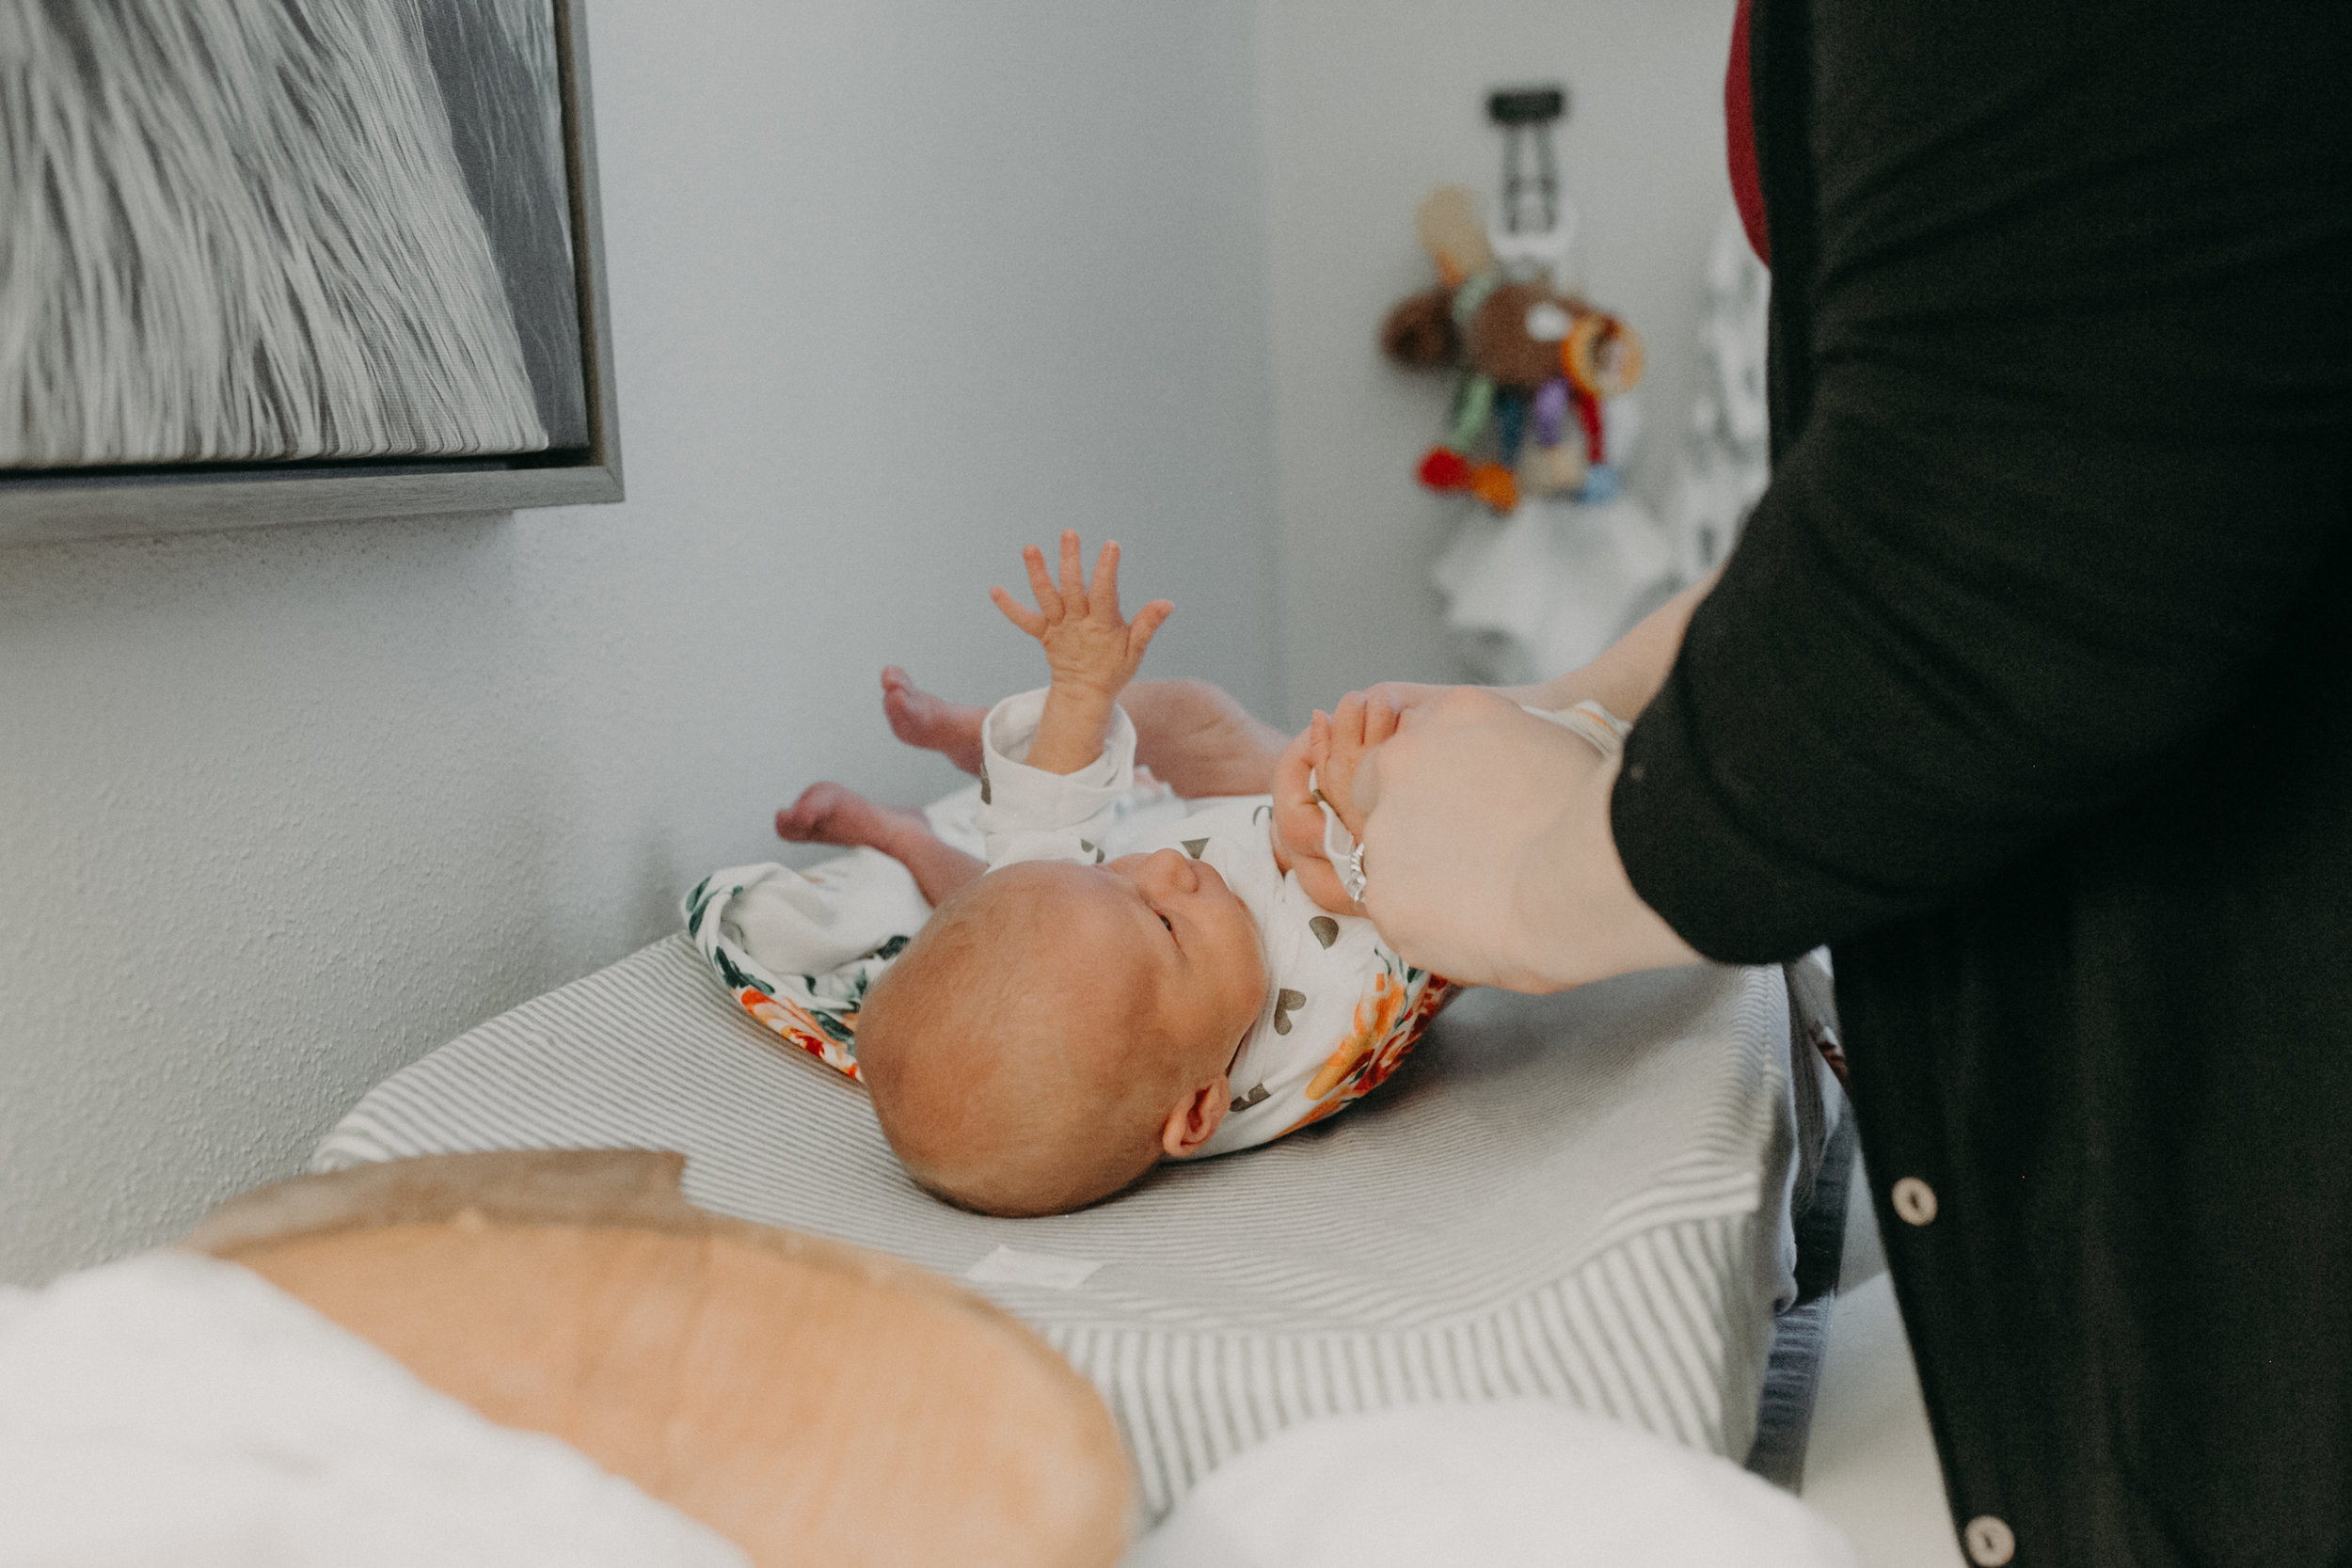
{"points": [[1366, 106], [896, 285]]}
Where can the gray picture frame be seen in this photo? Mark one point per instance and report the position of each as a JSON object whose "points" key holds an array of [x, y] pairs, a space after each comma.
{"points": [[45, 506]]}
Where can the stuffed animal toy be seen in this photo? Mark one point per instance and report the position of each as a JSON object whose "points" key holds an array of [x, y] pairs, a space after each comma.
{"points": [[1531, 357]]}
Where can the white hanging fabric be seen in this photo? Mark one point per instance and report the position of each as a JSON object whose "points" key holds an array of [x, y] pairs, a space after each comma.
{"points": [[1726, 454], [1540, 592]]}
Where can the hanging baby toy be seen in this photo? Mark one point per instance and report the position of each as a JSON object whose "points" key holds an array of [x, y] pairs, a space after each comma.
{"points": [[1530, 354]]}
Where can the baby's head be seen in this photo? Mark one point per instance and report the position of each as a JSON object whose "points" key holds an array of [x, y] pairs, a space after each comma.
{"points": [[1055, 1028]]}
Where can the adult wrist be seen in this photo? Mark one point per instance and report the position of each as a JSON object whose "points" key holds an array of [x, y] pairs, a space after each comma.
{"points": [[1575, 914], [1554, 930]]}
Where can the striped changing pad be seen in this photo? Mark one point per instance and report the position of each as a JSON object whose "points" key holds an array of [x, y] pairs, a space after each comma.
{"points": [[1577, 1197]]}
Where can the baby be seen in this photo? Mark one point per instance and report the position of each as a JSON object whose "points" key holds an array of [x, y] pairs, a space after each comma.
{"points": [[1129, 977]]}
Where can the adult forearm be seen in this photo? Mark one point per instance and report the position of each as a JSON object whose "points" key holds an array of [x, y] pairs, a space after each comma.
{"points": [[1625, 675]]}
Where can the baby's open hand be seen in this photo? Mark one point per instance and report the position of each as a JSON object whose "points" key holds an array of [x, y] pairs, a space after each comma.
{"points": [[1087, 644]]}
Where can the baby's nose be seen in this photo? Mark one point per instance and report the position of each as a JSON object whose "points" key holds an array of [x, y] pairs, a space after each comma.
{"points": [[1175, 869]]}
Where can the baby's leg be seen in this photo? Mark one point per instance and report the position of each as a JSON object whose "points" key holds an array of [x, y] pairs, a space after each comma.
{"points": [[832, 814], [932, 723], [1200, 741], [1190, 734]]}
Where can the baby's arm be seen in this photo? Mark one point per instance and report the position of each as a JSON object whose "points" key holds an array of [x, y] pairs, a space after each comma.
{"points": [[1093, 650]]}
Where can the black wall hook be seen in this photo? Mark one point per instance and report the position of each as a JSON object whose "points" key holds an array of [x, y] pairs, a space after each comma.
{"points": [[1527, 115]]}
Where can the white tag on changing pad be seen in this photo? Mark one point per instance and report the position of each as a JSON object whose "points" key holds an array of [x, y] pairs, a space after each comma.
{"points": [[1006, 1267]]}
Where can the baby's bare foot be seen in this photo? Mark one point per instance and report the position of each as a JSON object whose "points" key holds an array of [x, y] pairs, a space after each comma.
{"points": [[835, 813], [935, 725]]}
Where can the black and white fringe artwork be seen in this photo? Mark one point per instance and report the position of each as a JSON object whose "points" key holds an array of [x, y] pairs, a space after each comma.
{"points": [[252, 230]]}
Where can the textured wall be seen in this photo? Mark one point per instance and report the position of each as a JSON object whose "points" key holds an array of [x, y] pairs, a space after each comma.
{"points": [[1366, 104], [896, 285]]}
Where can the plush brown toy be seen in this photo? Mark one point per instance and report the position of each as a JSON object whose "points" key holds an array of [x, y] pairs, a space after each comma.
{"points": [[1530, 354], [1420, 332], [1506, 346]]}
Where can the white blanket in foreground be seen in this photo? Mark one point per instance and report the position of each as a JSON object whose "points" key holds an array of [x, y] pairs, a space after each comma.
{"points": [[1523, 1484], [173, 1410]]}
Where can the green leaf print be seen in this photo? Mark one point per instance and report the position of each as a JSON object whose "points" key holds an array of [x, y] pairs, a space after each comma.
{"points": [[736, 978]]}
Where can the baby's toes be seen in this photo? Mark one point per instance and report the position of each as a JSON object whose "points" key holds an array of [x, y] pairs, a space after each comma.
{"points": [[911, 710]]}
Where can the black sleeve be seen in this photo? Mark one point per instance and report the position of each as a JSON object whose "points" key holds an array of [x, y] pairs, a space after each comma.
{"points": [[2068, 337]]}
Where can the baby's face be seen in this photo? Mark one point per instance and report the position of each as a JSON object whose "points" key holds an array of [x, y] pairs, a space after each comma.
{"points": [[1188, 945]]}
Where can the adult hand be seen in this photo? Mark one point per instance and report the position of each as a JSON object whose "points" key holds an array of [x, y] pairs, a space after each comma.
{"points": [[1487, 855]]}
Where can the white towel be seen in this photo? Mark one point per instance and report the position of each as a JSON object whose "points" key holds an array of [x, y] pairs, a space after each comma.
{"points": [[822, 918], [1540, 592], [172, 1411], [1514, 1485]]}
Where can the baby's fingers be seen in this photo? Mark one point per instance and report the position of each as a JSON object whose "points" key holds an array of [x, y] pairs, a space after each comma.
{"points": [[1147, 626], [1102, 592], [1018, 613], [1048, 597], [1074, 576], [1380, 717]]}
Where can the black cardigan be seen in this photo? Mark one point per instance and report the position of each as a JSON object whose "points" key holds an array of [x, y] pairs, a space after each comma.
{"points": [[2029, 687]]}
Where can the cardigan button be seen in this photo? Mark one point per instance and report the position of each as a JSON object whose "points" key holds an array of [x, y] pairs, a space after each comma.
{"points": [[1990, 1542], [1914, 1200]]}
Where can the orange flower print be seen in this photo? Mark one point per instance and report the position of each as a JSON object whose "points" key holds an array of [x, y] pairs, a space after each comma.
{"points": [[796, 1025], [1407, 1034], [1369, 1028], [1375, 1044]]}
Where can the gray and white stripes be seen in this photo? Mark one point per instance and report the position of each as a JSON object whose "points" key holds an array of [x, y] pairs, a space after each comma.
{"points": [[1569, 1198], [1642, 1335]]}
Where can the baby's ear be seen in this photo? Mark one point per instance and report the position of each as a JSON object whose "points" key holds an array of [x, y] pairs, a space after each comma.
{"points": [[1196, 1118]]}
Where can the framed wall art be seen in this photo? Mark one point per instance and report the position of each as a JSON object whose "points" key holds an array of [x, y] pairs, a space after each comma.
{"points": [[278, 260]]}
